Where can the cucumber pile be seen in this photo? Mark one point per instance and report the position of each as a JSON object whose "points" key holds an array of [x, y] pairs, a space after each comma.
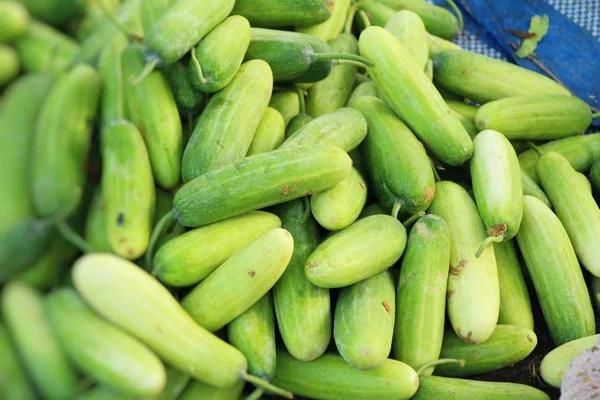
{"points": [[227, 200]]}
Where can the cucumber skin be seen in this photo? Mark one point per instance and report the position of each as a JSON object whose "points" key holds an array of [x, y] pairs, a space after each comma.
{"points": [[199, 390], [437, 20], [377, 12], [364, 321], [269, 134], [112, 101], [408, 27], [287, 103], [297, 122], [438, 44], [473, 290], [402, 85], [420, 316], [22, 245], [303, 309], [557, 362], [189, 100], [15, 20], [331, 378], [563, 295], [95, 225], [595, 175], [279, 14], [290, 173], [331, 27], [9, 65], [368, 88], [531, 188], [440, 388], [15, 384]]}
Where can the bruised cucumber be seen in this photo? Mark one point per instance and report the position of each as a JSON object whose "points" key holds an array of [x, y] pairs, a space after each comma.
{"points": [[200, 390], [283, 13], [14, 381], [408, 27], [557, 362], [368, 88], [437, 20], [269, 134], [287, 103], [440, 388]]}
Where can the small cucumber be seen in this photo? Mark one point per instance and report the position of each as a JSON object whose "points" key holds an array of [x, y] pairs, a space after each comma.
{"points": [[21, 245], [563, 295], [63, 139], [497, 184], [330, 377], [508, 345], [338, 207], [595, 175], [530, 188], [287, 103], [421, 295], [439, 388], [515, 305], [484, 79], [397, 162], [189, 100], [14, 382], [14, 20], [303, 309], [437, 20], [217, 58], [199, 390], [44, 360], [253, 333], [344, 258], [112, 102], [283, 13], [95, 226], [269, 134], [368, 88], [408, 27], [332, 26], [377, 12], [546, 117], [364, 321], [557, 362], [437, 44], [345, 128], [473, 291], [100, 349], [223, 133], [403, 85], [574, 205], [269, 178], [9, 64]]}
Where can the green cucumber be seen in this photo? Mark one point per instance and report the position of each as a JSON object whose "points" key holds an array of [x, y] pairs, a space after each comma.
{"points": [[586, 183], [199, 390], [14, 20], [21, 245], [253, 333], [332, 26], [338, 207], [515, 305], [101, 392], [473, 290], [162, 205], [223, 133], [376, 11], [345, 128], [397, 162], [531, 188], [191, 257], [368, 88], [55, 12], [287, 103], [249, 274], [14, 382], [330, 377], [269, 134], [217, 58], [557, 362], [574, 205], [100, 349], [364, 321], [437, 44], [437, 387], [421, 295], [437, 20], [112, 103], [484, 79], [44, 360], [284, 175], [189, 100], [563, 295], [176, 384], [9, 65], [408, 27], [283, 13], [467, 123], [152, 11], [344, 258], [403, 85], [297, 122], [508, 345], [466, 110], [303, 309], [95, 227], [595, 175], [546, 117], [371, 209]]}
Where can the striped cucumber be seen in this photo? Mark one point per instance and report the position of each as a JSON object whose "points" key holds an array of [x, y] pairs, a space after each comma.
{"points": [[296, 123], [408, 27], [269, 134], [283, 13], [200, 390], [439, 388], [556, 363], [14, 382], [287, 103], [333, 26], [437, 20], [368, 88]]}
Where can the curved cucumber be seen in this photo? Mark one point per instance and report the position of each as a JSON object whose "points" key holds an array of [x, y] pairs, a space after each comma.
{"points": [[347, 257], [297, 122], [368, 88], [557, 362], [112, 102], [408, 27], [364, 321], [437, 387], [283, 13], [14, 381], [14, 20], [473, 291], [287, 103], [563, 295], [200, 390], [421, 312], [530, 188], [437, 20], [269, 178], [269, 134], [332, 26]]}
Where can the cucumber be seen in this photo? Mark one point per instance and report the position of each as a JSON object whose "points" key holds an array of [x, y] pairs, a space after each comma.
{"points": [[330, 377], [535, 117], [217, 58], [563, 296], [530, 188], [466, 110], [377, 12], [95, 226], [515, 305], [302, 309], [100, 349], [364, 321], [176, 384], [437, 20], [14, 382], [344, 258], [101, 392], [200, 390], [14, 20], [297, 122], [333, 92], [287, 103], [44, 360], [420, 313], [403, 85], [62, 141], [397, 162], [473, 289], [223, 133], [575, 207], [368, 88], [345, 128], [371, 209], [112, 102], [253, 333], [408, 27], [55, 12], [497, 184], [21, 245], [269, 134], [152, 11], [249, 274], [162, 205], [508, 345], [557, 362], [283, 13], [584, 180], [189, 100], [595, 175], [9, 65], [484, 79], [438, 44], [332, 26], [270, 178], [437, 387]]}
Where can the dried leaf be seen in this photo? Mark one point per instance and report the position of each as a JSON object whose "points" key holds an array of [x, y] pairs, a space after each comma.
{"points": [[538, 27]]}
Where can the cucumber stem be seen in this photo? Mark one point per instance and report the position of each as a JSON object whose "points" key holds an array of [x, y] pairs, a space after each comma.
{"points": [[301, 101], [365, 19], [256, 394], [456, 10], [487, 241], [436, 175], [350, 18], [441, 361], [596, 115], [74, 238], [396, 209], [342, 56], [165, 221], [111, 18], [349, 62], [266, 386], [148, 68], [306, 215], [198, 67], [536, 148], [413, 218]]}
